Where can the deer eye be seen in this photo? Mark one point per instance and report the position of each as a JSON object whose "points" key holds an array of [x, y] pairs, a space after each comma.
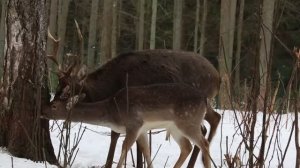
{"points": [[64, 96], [66, 93]]}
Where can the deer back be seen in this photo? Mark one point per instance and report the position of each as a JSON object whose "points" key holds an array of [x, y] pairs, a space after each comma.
{"points": [[150, 67]]}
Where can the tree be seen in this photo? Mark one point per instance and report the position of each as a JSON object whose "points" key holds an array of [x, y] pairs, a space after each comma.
{"points": [[92, 34], [51, 50], [52, 25], [265, 47], [227, 27], [153, 24], [203, 26], [140, 25], [2, 30], [239, 46], [196, 29], [265, 67], [63, 8], [115, 28], [106, 34], [24, 90], [177, 24]]}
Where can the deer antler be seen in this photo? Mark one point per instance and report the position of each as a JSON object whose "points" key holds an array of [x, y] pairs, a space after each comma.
{"points": [[297, 52], [55, 49], [54, 58]]}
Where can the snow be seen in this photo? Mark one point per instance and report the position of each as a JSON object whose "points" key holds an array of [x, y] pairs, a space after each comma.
{"points": [[93, 147]]}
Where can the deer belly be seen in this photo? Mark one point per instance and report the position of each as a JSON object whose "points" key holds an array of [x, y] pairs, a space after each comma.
{"points": [[148, 125], [115, 127]]}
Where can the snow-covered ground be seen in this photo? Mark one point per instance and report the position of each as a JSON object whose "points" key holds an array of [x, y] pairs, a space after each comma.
{"points": [[93, 147]]}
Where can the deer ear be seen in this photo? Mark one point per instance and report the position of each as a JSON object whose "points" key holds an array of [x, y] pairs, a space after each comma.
{"points": [[74, 100], [82, 72], [81, 96]]}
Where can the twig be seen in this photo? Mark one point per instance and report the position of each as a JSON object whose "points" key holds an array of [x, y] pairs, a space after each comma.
{"points": [[166, 162], [156, 154], [287, 146], [12, 162]]}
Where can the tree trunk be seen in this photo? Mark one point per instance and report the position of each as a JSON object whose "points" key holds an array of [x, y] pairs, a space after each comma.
{"points": [[106, 34], [92, 34], [265, 46], [196, 29], [297, 101], [239, 47], [2, 32], [153, 24], [114, 36], [50, 43], [52, 26], [203, 26], [177, 24], [24, 91], [63, 9], [140, 25], [227, 25], [266, 30]]}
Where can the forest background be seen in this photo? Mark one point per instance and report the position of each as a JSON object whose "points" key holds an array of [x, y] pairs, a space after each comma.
{"points": [[229, 33], [250, 42]]}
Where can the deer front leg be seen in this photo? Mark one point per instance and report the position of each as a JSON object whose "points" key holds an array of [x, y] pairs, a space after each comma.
{"points": [[195, 135], [113, 142], [139, 156], [144, 147], [185, 149], [130, 138]]}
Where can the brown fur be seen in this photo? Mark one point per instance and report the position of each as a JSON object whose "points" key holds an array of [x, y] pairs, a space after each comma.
{"points": [[131, 109], [151, 67]]}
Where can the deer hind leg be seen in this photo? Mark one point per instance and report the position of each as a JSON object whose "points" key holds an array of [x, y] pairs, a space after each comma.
{"points": [[144, 146], [193, 133], [130, 138], [185, 148], [213, 118], [113, 142], [196, 151]]}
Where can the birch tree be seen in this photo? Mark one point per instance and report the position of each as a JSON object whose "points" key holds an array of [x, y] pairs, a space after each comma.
{"points": [[196, 29], [140, 25], [265, 46], [92, 34], [106, 32], [177, 24], [239, 46], [203, 26], [227, 27], [115, 28], [63, 9], [153, 24]]}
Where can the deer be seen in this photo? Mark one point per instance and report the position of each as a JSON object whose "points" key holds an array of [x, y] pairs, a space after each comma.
{"points": [[144, 68], [134, 110]]}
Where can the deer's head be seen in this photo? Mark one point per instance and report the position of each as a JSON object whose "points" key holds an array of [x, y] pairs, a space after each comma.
{"points": [[60, 109]]}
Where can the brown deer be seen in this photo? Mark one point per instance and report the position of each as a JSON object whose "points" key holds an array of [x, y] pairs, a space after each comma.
{"points": [[145, 68], [134, 110]]}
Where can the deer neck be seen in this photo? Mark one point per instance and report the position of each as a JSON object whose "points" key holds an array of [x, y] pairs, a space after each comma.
{"points": [[97, 89], [93, 113]]}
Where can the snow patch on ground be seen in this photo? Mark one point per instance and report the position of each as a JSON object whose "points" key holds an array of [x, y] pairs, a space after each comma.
{"points": [[94, 145]]}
